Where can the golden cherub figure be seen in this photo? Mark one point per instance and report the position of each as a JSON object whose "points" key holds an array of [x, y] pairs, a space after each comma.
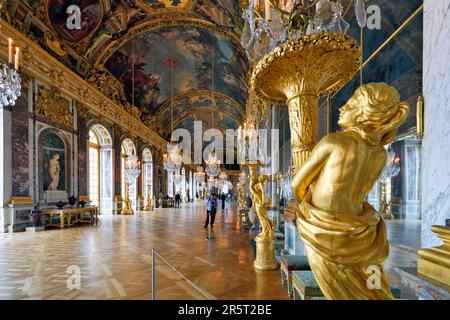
{"points": [[345, 237], [259, 201]]}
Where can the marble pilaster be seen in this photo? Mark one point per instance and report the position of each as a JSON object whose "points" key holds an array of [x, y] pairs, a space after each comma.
{"points": [[436, 146]]}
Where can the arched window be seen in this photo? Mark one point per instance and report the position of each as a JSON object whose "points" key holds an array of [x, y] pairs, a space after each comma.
{"points": [[147, 173], [100, 169], [128, 148], [94, 169]]}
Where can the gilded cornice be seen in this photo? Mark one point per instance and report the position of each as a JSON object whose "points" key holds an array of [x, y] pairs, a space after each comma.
{"points": [[38, 63], [160, 23]]}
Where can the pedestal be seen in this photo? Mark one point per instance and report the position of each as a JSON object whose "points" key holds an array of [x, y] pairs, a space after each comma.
{"points": [[265, 254], [435, 262]]}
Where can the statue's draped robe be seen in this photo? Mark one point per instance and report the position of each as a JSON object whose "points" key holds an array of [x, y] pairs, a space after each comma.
{"points": [[345, 251]]}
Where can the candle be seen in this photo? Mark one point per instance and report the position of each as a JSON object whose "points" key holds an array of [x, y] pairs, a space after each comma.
{"points": [[10, 56], [268, 16], [16, 60]]}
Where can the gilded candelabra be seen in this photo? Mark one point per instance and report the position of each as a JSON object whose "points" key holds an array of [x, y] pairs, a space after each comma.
{"points": [[265, 241], [148, 201], [391, 170], [297, 73], [132, 171], [127, 209]]}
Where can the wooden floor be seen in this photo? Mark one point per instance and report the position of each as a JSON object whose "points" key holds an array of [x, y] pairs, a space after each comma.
{"points": [[115, 260]]}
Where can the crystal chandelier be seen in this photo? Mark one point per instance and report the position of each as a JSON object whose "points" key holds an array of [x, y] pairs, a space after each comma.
{"points": [[223, 177], [392, 167], [132, 167], [172, 159], [10, 80], [212, 165], [269, 23], [230, 185], [199, 176], [213, 183]]}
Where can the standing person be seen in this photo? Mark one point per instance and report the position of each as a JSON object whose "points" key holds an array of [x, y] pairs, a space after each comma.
{"points": [[211, 208], [177, 200], [223, 197]]}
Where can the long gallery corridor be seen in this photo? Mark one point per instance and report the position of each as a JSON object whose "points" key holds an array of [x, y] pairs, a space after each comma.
{"points": [[115, 260]]}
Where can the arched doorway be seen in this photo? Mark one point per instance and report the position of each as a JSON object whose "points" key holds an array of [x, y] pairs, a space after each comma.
{"points": [[127, 149], [147, 173], [100, 169]]}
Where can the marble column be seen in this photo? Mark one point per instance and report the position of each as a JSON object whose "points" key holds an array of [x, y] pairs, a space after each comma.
{"points": [[435, 145]]}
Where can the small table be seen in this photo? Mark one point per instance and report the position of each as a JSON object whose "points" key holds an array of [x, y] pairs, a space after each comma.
{"points": [[70, 216]]}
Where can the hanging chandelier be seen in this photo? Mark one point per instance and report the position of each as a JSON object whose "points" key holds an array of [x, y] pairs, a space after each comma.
{"points": [[132, 167], [212, 165], [269, 23], [213, 183], [223, 177], [10, 80], [199, 176], [172, 159]]}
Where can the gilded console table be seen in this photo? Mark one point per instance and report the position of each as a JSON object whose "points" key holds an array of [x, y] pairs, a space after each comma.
{"points": [[70, 216]]}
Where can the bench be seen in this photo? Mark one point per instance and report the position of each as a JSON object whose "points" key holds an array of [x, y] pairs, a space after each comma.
{"points": [[289, 264], [305, 287]]}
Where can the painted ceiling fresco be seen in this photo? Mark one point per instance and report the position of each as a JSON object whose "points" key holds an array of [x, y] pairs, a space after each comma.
{"points": [[198, 44], [189, 57], [213, 109]]}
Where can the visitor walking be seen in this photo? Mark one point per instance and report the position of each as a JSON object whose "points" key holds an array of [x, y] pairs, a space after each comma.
{"points": [[177, 200], [211, 208]]}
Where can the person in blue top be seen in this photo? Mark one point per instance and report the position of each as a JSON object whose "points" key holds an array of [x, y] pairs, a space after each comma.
{"points": [[211, 208]]}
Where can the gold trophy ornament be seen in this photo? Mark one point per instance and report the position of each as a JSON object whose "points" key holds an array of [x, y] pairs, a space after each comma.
{"points": [[345, 236]]}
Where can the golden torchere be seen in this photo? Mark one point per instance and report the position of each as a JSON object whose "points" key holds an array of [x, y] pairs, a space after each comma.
{"points": [[127, 209], [345, 236], [265, 241], [385, 208], [148, 203], [297, 73], [241, 196]]}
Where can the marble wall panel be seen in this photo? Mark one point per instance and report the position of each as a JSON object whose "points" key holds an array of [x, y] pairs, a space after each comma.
{"points": [[20, 146], [436, 142]]}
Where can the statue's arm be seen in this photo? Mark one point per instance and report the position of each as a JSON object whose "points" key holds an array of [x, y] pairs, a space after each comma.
{"points": [[310, 169]]}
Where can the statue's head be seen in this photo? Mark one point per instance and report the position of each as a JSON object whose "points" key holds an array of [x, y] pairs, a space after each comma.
{"points": [[56, 156], [375, 109]]}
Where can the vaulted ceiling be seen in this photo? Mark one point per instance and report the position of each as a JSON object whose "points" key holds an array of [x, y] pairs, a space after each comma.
{"points": [[144, 52]]}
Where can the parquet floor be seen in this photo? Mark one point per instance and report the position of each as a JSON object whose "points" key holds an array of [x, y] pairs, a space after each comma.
{"points": [[114, 260]]}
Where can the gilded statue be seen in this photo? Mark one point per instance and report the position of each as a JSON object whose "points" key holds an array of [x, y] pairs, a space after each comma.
{"points": [[259, 201], [53, 171], [346, 242]]}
